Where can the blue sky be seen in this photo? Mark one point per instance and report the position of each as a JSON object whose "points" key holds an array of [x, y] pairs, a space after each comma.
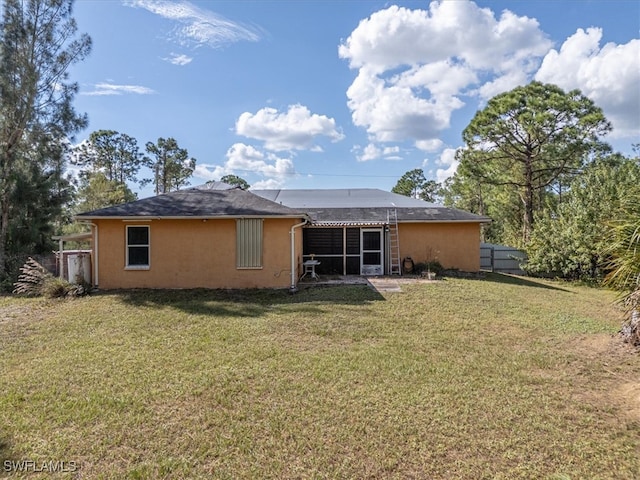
{"points": [[334, 94]]}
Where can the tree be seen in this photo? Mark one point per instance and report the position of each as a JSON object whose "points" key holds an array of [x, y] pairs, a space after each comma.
{"points": [[97, 191], [624, 276], [171, 165], [468, 193], [38, 44], [112, 153], [529, 139], [414, 184], [571, 240], [235, 181]]}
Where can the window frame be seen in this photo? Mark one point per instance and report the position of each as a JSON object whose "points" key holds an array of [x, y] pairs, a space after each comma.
{"points": [[127, 264]]}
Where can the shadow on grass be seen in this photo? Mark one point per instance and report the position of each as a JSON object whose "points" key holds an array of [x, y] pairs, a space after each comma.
{"points": [[248, 303], [6, 453], [521, 281]]}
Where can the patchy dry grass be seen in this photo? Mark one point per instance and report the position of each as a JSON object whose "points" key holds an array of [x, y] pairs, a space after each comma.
{"points": [[501, 378]]}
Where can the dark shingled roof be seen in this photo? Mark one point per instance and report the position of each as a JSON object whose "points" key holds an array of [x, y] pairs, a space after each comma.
{"points": [[324, 207], [198, 203]]}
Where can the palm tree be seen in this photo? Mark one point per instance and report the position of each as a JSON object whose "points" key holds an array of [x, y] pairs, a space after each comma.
{"points": [[624, 264]]}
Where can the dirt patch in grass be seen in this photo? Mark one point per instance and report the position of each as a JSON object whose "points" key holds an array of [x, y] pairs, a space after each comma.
{"points": [[612, 353], [10, 313], [19, 318], [628, 394]]}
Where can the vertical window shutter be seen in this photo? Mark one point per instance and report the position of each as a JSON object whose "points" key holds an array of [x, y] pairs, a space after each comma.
{"points": [[249, 243]]}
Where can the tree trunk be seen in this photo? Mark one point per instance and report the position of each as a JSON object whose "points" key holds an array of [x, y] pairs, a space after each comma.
{"points": [[527, 225], [4, 233]]}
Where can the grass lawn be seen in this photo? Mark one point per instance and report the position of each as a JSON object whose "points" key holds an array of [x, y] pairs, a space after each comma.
{"points": [[499, 378]]}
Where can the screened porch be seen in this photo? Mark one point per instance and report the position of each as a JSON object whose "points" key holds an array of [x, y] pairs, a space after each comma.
{"points": [[346, 250]]}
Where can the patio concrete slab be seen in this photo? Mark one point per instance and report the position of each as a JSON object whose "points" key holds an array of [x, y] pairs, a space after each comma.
{"points": [[383, 284], [380, 284]]}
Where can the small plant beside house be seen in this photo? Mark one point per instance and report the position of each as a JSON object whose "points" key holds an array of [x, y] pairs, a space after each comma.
{"points": [[429, 269], [35, 280]]}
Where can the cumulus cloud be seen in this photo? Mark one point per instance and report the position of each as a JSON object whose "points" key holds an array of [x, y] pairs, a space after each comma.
{"points": [[105, 88], [373, 152], [448, 161], [415, 66], [432, 145], [394, 112], [269, 183], [179, 59], [243, 159], [370, 152], [295, 129], [608, 75], [197, 26]]}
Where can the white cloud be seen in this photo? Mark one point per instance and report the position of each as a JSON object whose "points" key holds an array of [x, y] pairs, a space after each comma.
{"points": [[373, 152], [370, 152], [209, 171], [179, 59], [391, 151], [447, 159], [502, 84], [414, 66], [295, 129], [394, 112], [245, 159], [432, 145], [198, 26], [610, 76], [114, 89], [270, 183]]}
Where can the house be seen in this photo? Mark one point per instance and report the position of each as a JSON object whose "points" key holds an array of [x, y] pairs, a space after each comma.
{"points": [[217, 236]]}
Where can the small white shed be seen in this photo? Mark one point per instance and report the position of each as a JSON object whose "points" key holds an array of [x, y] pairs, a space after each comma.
{"points": [[74, 265]]}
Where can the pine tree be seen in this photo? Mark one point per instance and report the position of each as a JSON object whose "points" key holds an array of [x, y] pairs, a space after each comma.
{"points": [[531, 138], [414, 184], [114, 154], [38, 44], [171, 165]]}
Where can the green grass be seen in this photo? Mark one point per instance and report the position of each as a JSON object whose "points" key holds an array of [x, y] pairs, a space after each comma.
{"points": [[499, 378]]}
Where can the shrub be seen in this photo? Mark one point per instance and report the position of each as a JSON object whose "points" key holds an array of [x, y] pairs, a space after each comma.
{"points": [[59, 288], [32, 279], [431, 266], [35, 280]]}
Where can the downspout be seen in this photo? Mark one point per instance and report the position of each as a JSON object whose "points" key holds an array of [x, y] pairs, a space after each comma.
{"points": [[293, 288], [95, 250], [94, 261], [61, 259]]}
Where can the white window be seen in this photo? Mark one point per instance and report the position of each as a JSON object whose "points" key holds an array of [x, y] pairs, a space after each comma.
{"points": [[138, 247], [249, 243]]}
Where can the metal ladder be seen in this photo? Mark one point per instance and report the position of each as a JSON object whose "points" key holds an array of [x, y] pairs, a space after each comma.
{"points": [[394, 243]]}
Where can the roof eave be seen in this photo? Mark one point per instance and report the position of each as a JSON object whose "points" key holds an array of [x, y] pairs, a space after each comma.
{"points": [[81, 218], [483, 220]]}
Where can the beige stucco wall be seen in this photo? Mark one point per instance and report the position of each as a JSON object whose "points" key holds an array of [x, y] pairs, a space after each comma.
{"points": [[195, 254], [454, 245]]}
